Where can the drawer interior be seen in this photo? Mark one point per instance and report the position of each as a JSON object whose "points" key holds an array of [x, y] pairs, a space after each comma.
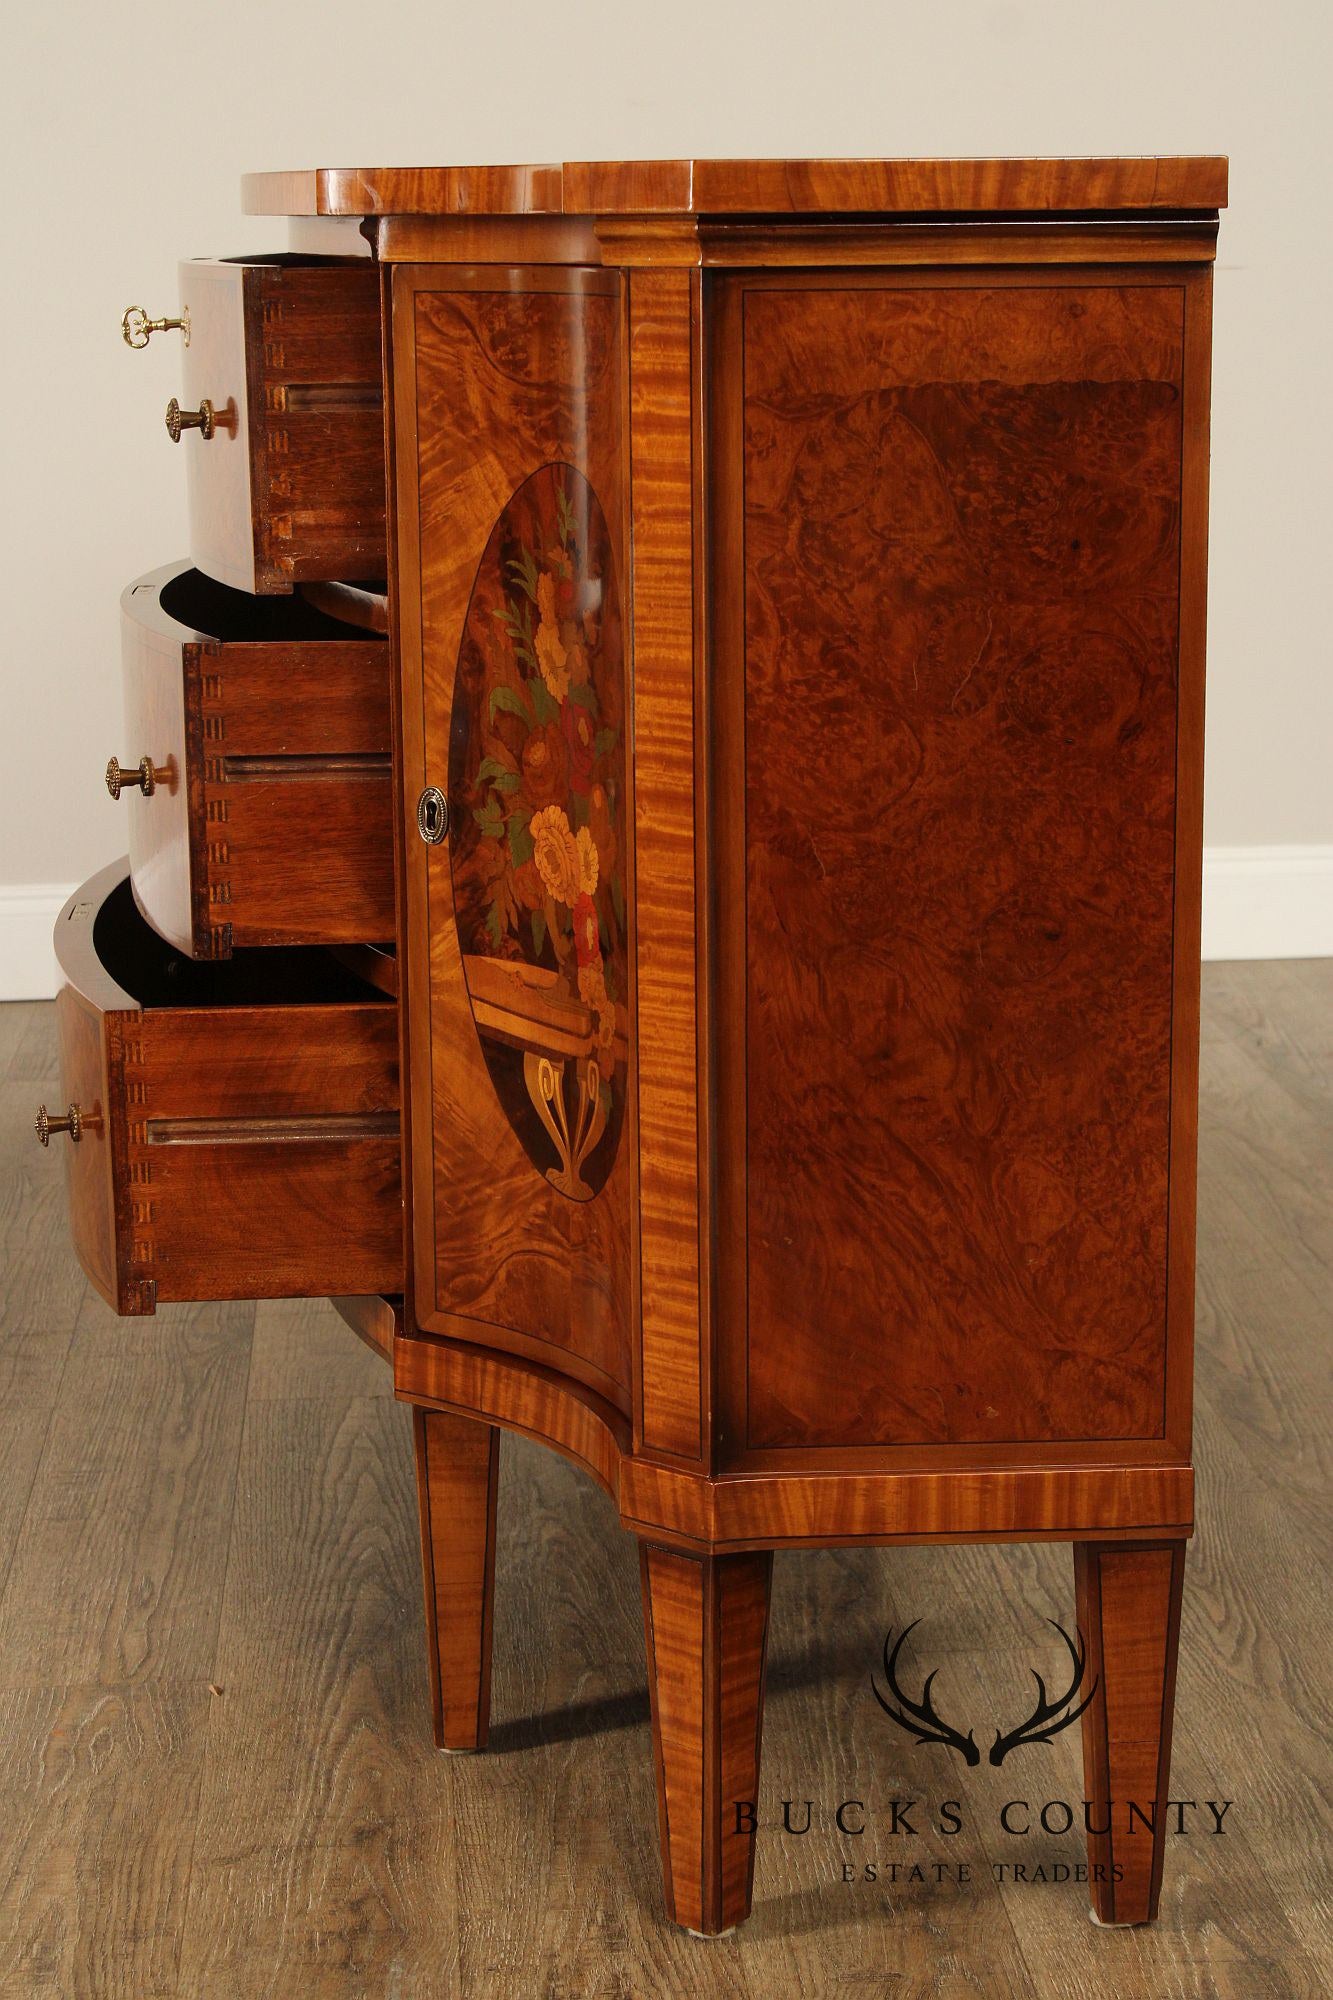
{"points": [[155, 974], [237, 618]]}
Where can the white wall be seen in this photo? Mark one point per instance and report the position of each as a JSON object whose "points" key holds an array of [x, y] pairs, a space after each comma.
{"points": [[127, 127]]}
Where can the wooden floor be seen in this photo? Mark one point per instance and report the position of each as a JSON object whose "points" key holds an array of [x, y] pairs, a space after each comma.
{"points": [[216, 1775]]}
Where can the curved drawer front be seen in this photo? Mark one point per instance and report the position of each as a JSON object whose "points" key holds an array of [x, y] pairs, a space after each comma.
{"points": [[239, 1122], [267, 725], [286, 480]]}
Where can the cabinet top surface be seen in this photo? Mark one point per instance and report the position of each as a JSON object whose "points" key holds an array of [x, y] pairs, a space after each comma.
{"points": [[750, 187]]}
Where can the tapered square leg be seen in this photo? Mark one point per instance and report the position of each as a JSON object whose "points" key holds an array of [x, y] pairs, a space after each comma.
{"points": [[706, 1626], [458, 1463], [1129, 1613]]}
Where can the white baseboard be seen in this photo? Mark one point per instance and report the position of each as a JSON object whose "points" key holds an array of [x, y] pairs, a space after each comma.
{"points": [[1268, 902], [28, 912], [1258, 902]]}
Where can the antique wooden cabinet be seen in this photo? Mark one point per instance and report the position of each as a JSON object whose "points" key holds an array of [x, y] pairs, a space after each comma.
{"points": [[777, 698]]}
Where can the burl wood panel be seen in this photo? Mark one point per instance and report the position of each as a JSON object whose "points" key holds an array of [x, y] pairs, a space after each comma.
{"points": [[458, 1477], [706, 1629], [292, 484], [947, 978], [1129, 1614], [497, 373], [275, 823]]}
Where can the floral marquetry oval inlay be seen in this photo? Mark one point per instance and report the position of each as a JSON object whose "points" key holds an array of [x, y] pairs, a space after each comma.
{"points": [[537, 799]]}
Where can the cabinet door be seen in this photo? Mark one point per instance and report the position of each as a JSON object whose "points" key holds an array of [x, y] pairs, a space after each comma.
{"points": [[508, 419], [958, 710]]}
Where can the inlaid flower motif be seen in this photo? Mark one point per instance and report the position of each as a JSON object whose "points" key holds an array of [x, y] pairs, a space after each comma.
{"points": [[593, 993], [602, 828], [587, 946], [545, 765], [580, 743], [606, 1034], [592, 982], [592, 990], [538, 746], [529, 889], [556, 853], [588, 862], [551, 655]]}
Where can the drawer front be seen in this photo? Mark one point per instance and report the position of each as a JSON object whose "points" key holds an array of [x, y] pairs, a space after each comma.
{"points": [[234, 1150], [267, 723], [290, 486]]}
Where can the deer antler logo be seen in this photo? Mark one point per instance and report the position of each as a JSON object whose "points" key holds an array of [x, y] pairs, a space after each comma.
{"points": [[921, 1720], [1048, 1718]]}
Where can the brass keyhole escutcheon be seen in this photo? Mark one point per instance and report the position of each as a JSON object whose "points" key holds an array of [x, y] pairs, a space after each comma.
{"points": [[432, 816]]}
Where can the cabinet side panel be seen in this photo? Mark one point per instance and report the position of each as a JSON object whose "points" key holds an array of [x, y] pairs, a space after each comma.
{"points": [[1189, 857], [960, 553], [513, 597]]}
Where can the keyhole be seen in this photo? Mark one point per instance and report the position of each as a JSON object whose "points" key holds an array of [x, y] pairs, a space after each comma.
{"points": [[432, 816]]}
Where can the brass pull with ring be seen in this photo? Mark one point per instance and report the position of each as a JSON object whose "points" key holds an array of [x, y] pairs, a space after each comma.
{"points": [[76, 1122], [145, 774], [137, 329]]}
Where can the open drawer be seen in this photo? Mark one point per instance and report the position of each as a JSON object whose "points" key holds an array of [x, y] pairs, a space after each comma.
{"points": [[257, 768], [232, 1130], [281, 420]]}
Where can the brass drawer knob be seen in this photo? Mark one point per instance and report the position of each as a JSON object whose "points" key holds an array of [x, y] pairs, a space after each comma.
{"points": [[145, 774], [137, 329], [203, 420], [75, 1121]]}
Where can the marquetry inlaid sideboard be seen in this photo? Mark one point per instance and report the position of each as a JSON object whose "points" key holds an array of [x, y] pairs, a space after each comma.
{"points": [[664, 818]]}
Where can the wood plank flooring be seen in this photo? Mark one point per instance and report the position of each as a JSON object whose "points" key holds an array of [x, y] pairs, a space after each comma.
{"points": [[216, 1772]]}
